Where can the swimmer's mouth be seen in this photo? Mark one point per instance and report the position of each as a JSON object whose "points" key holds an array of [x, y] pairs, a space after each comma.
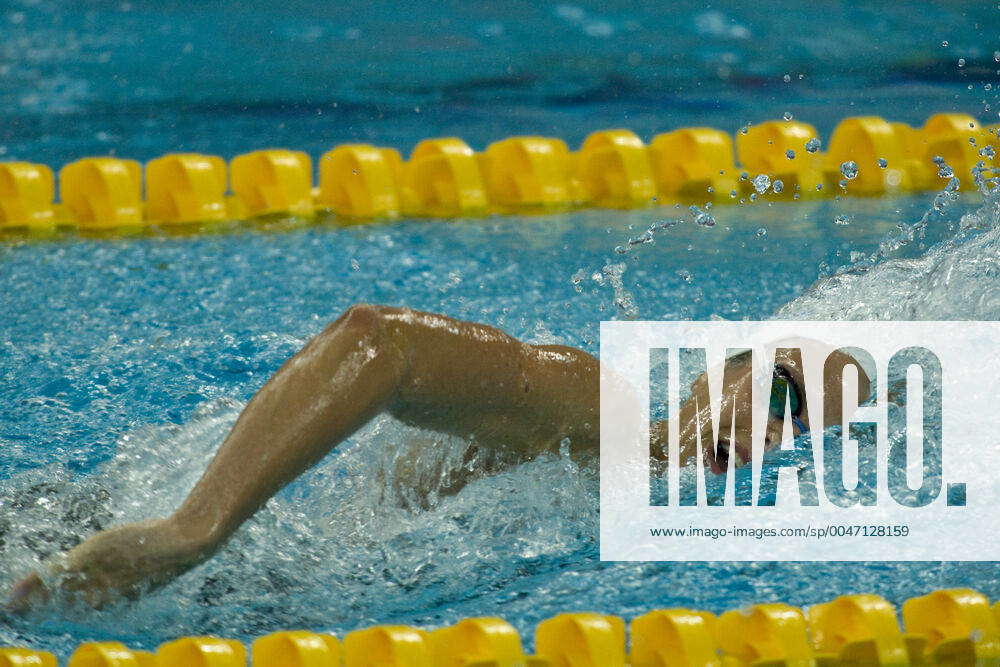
{"points": [[719, 461]]}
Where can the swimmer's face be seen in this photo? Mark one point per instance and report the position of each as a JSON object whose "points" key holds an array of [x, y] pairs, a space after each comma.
{"points": [[735, 422]]}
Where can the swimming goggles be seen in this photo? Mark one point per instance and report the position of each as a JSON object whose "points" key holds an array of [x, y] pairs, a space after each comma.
{"points": [[783, 388]]}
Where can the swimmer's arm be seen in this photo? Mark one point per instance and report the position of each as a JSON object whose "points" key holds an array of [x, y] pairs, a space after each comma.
{"points": [[431, 370]]}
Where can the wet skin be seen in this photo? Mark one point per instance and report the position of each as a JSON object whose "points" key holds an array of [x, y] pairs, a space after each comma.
{"points": [[513, 401]]}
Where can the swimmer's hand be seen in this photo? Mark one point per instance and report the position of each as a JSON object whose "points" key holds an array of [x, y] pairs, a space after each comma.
{"points": [[27, 593], [120, 562]]}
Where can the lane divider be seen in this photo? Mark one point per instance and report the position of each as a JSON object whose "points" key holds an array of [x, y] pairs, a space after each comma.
{"points": [[445, 178], [945, 627]]}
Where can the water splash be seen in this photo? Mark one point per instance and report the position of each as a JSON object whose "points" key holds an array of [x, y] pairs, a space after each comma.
{"points": [[611, 275], [354, 524], [957, 280]]}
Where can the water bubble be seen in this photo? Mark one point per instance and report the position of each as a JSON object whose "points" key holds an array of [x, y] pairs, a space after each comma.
{"points": [[355, 265], [849, 169], [685, 275], [882, 163], [701, 217], [988, 86], [961, 62], [787, 116], [790, 154], [819, 186], [813, 145], [945, 171], [761, 232], [732, 193], [745, 129], [761, 183], [944, 43], [753, 196], [711, 189], [987, 152], [842, 219], [744, 175], [777, 186], [787, 78], [996, 56]]}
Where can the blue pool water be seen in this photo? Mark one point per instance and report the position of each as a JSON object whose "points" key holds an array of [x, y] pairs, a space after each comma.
{"points": [[124, 361]]}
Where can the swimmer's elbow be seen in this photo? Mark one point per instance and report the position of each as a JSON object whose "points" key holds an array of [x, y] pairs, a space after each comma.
{"points": [[362, 318], [364, 315]]}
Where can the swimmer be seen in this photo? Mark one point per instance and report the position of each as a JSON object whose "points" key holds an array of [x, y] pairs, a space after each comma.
{"points": [[511, 400]]}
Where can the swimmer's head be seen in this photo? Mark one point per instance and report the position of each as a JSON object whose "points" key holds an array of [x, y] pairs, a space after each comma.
{"points": [[787, 400]]}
